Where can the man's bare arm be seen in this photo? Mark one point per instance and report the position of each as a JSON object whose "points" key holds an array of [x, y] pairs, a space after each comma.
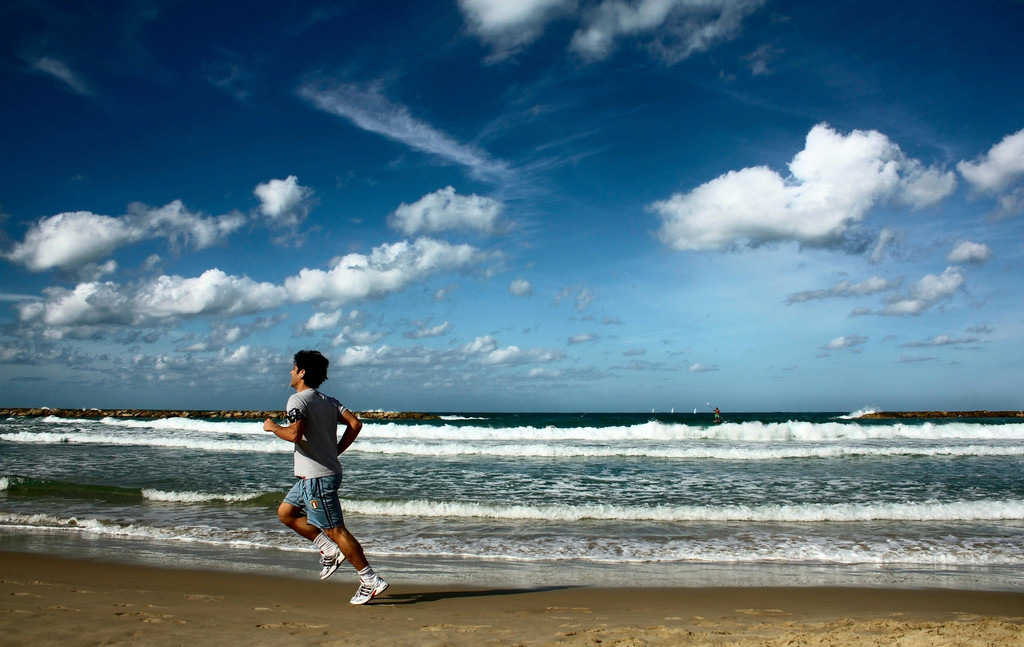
{"points": [[353, 426], [292, 433]]}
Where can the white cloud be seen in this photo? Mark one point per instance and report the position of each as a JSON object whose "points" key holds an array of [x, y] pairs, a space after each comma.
{"points": [[520, 288], [223, 333], [443, 210], [873, 285], [967, 251], [582, 338], [94, 271], [483, 350], [507, 26], [700, 368], [1000, 173], [833, 182], [323, 321], [442, 294], [354, 336], [388, 268], [369, 110], [360, 356], [671, 29], [926, 293], [845, 343], [999, 168], [678, 28], [284, 202], [480, 345], [422, 331], [72, 240], [504, 356], [165, 299], [242, 356], [349, 330], [544, 373], [174, 222], [924, 187], [584, 296], [486, 350], [212, 292]]}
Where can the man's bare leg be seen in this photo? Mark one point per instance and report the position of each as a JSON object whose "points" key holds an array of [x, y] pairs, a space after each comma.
{"points": [[349, 545], [293, 517]]}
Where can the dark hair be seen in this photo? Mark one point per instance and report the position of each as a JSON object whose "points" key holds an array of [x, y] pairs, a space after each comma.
{"points": [[315, 366]]}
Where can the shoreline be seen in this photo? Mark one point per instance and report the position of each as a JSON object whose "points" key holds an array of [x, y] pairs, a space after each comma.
{"points": [[422, 569], [56, 600]]}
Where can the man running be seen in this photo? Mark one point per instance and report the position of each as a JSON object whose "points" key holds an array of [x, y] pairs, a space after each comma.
{"points": [[312, 508]]}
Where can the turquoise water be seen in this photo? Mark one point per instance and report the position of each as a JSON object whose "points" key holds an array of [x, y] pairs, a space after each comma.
{"points": [[580, 497]]}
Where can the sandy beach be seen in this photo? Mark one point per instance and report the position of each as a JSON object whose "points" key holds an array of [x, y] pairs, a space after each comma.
{"points": [[57, 601]]}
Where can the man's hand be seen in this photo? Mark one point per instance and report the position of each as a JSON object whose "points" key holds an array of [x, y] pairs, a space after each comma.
{"points": [[269, 425]]}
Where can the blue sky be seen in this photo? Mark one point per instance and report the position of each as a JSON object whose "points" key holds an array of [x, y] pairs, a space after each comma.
{"points": [[545, 205]]}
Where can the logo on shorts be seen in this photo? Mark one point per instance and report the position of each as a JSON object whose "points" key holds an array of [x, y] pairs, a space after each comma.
{"points": [[314, 504]]}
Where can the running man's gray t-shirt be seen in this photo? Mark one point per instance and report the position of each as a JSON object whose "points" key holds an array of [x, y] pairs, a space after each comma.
{"points": [[316, 454]]}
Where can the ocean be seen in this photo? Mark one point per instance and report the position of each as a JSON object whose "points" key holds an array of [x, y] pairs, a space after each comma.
{"points": [[658, 499]]}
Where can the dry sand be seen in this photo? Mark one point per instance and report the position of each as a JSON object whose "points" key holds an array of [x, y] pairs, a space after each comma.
{"points": [[48, 601]]}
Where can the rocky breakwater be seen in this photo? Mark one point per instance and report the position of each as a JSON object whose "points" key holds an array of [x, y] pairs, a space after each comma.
{"points": [[163, 413], [888, 415]]}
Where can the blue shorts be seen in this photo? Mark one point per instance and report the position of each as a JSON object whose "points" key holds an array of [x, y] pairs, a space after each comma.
{"points": [[318, 499]]}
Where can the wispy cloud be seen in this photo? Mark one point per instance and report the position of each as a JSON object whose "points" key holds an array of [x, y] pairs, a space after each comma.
{"points": [[873, 285], [370, 110], [940, 340], [61, 71]]}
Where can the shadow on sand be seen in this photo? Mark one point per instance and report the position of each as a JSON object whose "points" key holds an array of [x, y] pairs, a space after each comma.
{"points": [[435, 596]]}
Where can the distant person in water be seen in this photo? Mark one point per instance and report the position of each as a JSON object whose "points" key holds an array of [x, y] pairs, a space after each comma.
{"points": [[312, 507], [718, 415]]}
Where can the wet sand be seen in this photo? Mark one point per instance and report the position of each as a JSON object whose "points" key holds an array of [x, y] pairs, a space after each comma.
{"points": [[58, 601]]}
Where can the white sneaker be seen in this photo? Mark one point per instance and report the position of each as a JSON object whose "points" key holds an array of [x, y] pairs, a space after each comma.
{"points": [[331, 564], [369, 590]]}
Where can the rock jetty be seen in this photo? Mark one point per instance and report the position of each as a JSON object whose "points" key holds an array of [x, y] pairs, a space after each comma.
{"points": [[225, 414], [887, 415]]}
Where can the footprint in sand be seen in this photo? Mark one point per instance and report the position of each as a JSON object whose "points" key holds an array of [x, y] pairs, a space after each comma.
{"points": [[289, 625], [150, 618], [459, 628]]}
